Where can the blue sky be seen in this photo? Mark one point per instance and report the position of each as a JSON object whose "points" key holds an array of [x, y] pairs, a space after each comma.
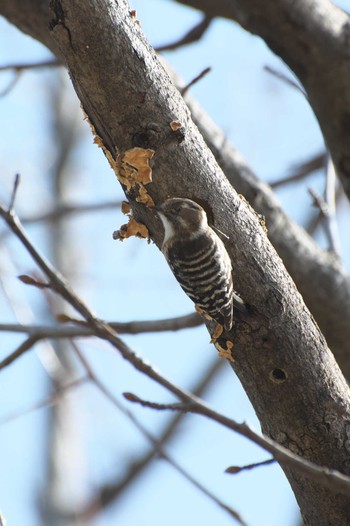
{"points": [[273, 127]]}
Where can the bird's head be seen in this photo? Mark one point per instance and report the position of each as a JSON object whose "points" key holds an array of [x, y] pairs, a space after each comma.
{"points": [[182, 217]]}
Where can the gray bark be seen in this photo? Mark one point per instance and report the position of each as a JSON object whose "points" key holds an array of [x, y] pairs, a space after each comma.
{"points": [[312, 37], [319, 275], [281, 357]]}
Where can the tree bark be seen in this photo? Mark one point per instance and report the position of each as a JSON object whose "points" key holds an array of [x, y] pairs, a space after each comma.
{"points": [[319, 275], [281, 357], [312, 37]]}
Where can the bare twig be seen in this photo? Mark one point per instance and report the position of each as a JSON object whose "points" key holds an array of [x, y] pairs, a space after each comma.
{"points": [[11, 84], [48, 402], [23, 313], [233, 470], [323, 475], [284, 78], [318, 202], [131, 327], [196, 79], [155, 443], [19, 68], [65, 210], [34, 65], [331, 217], [314, 222], [57, 282], [14, 193], [332, 479], [191, 36], [302, 170], [184, 408], [108, 494], [327, 210], [24, 347]]}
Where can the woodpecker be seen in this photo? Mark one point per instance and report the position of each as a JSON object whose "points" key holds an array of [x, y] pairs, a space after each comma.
{"points": [[198, 259]]}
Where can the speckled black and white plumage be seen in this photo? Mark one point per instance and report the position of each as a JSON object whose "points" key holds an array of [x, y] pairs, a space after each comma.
{"points": [[198, 259]]}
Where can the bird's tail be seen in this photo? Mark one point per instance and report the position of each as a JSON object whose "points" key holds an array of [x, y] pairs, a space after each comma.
{"points": [[239, 304]]}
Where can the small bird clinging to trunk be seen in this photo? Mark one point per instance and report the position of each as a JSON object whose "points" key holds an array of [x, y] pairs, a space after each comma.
{"points": [[198, 259]]}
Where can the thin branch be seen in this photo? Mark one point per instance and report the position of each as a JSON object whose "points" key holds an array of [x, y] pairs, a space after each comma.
{"points": [[14, 193], [302, 170], [325, 476], [48, 402], [19, 68], [191, 36], [284, 78], [329, 478], [65, 210], [184, 408], [233, 470], [10, 85], [155, 443], [331, 217], [109, 493], [132, 327], [318, 202], [314, 222], [35, 65], [196, 79], [57, 282], [24, 347], [328, 217], [24, 314]]}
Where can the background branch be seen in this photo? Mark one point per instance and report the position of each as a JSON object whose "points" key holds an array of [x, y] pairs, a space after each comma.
{"points": [[328, 478], [191, 36], [130, 327], [156, 444], [311, 37]]}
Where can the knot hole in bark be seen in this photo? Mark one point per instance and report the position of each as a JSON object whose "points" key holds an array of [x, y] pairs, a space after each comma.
{"points": [[278, 376]]}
